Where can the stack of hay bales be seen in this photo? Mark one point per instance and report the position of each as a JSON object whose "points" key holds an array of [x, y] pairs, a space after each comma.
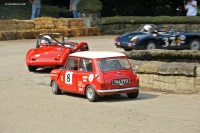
{"points": [[25, 29], [30, 29], [12, 29], [61, 26], [78, 28]]}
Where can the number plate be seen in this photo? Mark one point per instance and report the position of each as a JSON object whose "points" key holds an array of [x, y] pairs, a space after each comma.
{"points": [[120, 81]]}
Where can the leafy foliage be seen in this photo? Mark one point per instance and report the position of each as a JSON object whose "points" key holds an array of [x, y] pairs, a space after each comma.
{"points": [[89, 6], [149, 19]]}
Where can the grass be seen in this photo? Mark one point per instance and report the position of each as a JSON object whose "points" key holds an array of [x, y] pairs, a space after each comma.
{"points": [[23, 12]]}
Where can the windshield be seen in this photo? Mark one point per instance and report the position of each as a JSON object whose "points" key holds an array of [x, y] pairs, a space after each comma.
{"points": [[113, 64]]}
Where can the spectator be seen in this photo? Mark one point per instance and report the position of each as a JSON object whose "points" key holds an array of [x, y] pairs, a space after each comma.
{"points": [[191, 7], [36, 5], [73, 8]]}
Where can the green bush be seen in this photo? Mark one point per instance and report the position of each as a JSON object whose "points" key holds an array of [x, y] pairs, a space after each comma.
{"points": [[148, 19], [89, 6]]}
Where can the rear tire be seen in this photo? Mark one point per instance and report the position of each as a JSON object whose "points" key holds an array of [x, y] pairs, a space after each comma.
{"points": [[127, 49], [195, 44], [133, 94], [32, 68], [91, 94], [151, 45], [55, 88]]}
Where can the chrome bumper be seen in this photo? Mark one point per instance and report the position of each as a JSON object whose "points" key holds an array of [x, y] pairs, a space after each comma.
{"points": [[118, 90]]}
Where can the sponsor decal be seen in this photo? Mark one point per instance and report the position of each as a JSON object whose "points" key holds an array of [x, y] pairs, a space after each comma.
{"points": [[91, 77], [68, 77]]}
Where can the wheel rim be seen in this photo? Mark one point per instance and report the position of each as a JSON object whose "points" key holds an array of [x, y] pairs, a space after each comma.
{"points": [[195, 45], [151, 46], [54, 86], [90, 93]]}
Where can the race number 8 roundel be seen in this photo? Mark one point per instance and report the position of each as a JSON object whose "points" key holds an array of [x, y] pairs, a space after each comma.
{"points": [[68, 77]]}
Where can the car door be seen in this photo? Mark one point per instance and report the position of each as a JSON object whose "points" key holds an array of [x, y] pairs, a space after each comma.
{"points": [[85, 74], [172, 41], [69, 75], [167, 40]]}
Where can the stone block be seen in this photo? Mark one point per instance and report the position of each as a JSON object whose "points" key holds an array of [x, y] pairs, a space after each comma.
{"points": [[170, 87], [178, 68], [150, 67], [170, 79], [185, 85], [158, 78], [198, 70], [197, 84], [146, 78], [159, 85]]}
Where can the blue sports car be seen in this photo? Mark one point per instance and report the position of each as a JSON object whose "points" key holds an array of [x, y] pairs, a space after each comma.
{"points": [[150, 36]]}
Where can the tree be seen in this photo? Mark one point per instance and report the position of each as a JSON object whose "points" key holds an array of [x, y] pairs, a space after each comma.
{"points": [[89, 6]]}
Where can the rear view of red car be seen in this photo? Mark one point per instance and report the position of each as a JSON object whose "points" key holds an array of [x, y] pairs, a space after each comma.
{"points": [[51, 53]]}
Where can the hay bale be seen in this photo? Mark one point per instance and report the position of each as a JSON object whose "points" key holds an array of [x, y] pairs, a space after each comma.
{"points": [[29, 34], [61, 23], [25, 24], [44, 23], [76, 22], [5, 22], [19, 35], [78, 32], [92, 31], [8, 35], [77, 27], [1, 38]]}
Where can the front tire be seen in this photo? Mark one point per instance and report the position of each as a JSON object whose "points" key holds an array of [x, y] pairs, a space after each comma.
{"points": [[195, 44], [91, 94], [32, 68], [133, 94], [151, 45], [55, 88]]}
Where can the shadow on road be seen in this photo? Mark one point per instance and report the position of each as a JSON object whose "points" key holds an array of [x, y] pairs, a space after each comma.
{"points": [[43, 70], [116, 98]]}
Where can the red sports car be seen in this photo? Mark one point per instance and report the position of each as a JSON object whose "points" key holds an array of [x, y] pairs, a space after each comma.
{"points": [[51, 53], [95, 74]]}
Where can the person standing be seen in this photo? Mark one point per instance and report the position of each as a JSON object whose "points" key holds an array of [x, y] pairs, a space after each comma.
{"points": [[73, 8], [36, 5], [191, 7]]}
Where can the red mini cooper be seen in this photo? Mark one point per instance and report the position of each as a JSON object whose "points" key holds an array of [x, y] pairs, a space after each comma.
{"points": [[50, 52], [96, 74]]}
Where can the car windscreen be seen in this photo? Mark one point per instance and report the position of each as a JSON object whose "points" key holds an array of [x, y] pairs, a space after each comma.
{"points": [[113, 64]]}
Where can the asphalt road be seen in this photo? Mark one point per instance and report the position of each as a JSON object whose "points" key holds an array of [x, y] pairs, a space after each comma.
{"points": [[27, 104]]}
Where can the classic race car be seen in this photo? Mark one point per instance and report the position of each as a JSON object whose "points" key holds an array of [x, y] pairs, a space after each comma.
{"points": [[51, 53], [152, 37], [95, 74]]}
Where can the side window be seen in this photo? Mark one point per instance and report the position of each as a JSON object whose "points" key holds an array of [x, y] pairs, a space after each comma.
{"points": [[72, 64], [86, 65]]}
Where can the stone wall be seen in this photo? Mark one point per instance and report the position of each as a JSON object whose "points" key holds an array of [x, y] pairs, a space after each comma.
{"points": [[177, 77]]}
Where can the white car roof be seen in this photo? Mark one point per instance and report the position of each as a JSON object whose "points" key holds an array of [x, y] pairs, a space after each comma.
{"points": [[97, 54]]}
